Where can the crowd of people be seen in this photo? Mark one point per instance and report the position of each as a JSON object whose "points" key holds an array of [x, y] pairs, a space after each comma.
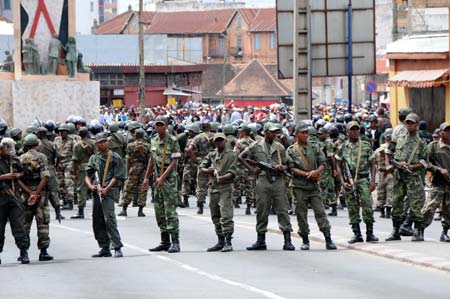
{"points": [[221, 156]]}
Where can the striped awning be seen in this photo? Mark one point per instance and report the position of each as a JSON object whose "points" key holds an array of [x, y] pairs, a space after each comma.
{"points": [[419, 79]]}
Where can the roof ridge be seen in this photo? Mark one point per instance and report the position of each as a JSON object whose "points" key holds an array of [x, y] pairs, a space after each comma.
{"points": [[278, 84]]}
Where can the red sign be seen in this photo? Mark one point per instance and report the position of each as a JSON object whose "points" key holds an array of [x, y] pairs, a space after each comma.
{"points": [[371, 87]]}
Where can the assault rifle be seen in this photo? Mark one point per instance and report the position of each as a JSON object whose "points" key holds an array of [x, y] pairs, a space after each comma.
{"points": [[97, 180], [447, 179], [270, 169], [396, 164], [348, 176]]}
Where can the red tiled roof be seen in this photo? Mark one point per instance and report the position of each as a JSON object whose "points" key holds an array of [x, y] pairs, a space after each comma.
{"points": [[3, 19], [191, 22], [115, 25], [265, 20], [248, 14]]}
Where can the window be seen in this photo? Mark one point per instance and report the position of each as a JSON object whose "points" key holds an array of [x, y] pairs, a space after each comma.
{"points": [[257, 41], [272, 41], [238, 22], [239, 42], [7, 4], [221, 45]]}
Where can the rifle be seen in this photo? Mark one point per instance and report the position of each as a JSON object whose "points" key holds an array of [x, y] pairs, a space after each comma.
{"points": [[349, 177], [14, 197], [97, 179], [270, 169], [396, 164]]}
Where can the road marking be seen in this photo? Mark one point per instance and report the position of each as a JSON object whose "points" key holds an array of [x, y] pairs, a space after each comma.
{"points": [[249, 288]]}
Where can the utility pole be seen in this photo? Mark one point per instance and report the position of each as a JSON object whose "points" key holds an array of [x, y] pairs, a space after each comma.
{"points": [[224, 66], [141, 88]]}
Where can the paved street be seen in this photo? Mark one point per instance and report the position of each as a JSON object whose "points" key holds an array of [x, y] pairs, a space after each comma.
{"points": [[357, 272]]}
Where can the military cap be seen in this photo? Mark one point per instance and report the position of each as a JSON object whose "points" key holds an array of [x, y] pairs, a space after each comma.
{"points": [[444, 126], [219, 135], [352, 124], [412, 117], [404, 111], [30, 140], [101, 137], [272, 127], [14, 132], [302, 127], [161, 119]]}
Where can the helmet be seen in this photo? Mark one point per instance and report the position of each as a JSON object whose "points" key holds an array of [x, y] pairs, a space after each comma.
{"points": [[373, 118], [50, 125], [214, 126], [326, 118], [31, 130], [139, 133], [403, 112], [348, 117], [64, 127], [228, 129], [3, 127], [340, 119], [245, 128], [72, 129], [334, 132], [205, 126], [194, 128], [95, 127], [30, 140], [79, 121], [340, 127], [113, 127], [14, 132], [328, 126], [71, 119], [319, 123], [422, 125], [132, 125], [312, 131], [37, 123]]}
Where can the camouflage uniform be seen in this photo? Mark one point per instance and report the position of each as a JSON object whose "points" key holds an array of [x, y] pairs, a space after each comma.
{"points": [[48, 148], [385, 179], [118, 145], [327, 188], [202, 144], [165, 200], [231, 142], [189, 173], [82, 151], [36, 168], [64, 149], [138, 155], [245, 182]]}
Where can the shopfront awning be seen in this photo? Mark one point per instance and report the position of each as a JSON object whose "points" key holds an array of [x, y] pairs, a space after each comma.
{"points": [[173, 92], [419, 79]]}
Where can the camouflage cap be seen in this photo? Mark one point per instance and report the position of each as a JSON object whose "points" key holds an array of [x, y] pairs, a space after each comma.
{"points": [[413, 117], [30, 140], [272, 127], [444, 126], [302, 127], [161, 120], [101, 137], [352, 124], [219, 136]]}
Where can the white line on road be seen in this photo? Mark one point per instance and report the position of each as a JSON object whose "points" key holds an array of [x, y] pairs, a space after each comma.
{"points": [[249, 288]]}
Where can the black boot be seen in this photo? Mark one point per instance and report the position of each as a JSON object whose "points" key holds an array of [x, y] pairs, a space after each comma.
{"points": [[388, 212], [328, 242], [418, 232], [395, 235], [287, 241], [444, 235], [406, 227], [228, 247], [104, 252], [370, 237], [175, 247], [186, 201], [305, 244], [44, 256], [333, 211], [67, 206], [272, 211], [165, 243], [200, 208], [141, 212], [248, 210], [118, 253], [79, 215], [260, 243], [23, 258], [220, 244], [124, 211], [382, 213], [135, 204], [357, 237]]}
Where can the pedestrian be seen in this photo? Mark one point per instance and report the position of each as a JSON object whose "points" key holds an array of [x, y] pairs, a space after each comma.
{"points": [[103, 172], [221, 166]]}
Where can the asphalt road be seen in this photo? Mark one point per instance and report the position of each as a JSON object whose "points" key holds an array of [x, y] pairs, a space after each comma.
{"points": [[194, 273]]}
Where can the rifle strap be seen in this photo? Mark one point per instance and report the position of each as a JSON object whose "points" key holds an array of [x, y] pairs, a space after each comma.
{"points": [[413, 153], [105, 172], [358, 160], [163, 160], [302, 156], [277, 145], [12, 183]]}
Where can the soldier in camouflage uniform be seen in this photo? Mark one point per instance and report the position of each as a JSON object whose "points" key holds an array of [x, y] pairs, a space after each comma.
{"points": [[165, 151], [228, 130], [306, 162], [64, 148], [270, 186], [439, 156], [138, 155], [385, 179], [410, 152], [327, 188], [190, 167], [82, 151], [245, 182], [357, 156], [118, 145], [220, 165], [16, 135], [34, 193], [200, 146]]}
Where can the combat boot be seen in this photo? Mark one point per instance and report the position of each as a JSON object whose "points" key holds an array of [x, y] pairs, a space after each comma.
{"points": [[382, 213], [357, 237], [186, 201], [260, 243], [175, 247], [79, 215], [228, 247], [23, 258], [406, 227], [444, 235], [118, 253], [418, 232], [395, 235], [220, 244], [44, 256], [200, 208], [67, 206], [305, 244], [248, 210], [370, 237], [124, 211], [165, 243], [272, 211], [333, 211], [141, 212], [135, 204], [328, 242], [287, 241], [104, 252], [388, 212]]}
